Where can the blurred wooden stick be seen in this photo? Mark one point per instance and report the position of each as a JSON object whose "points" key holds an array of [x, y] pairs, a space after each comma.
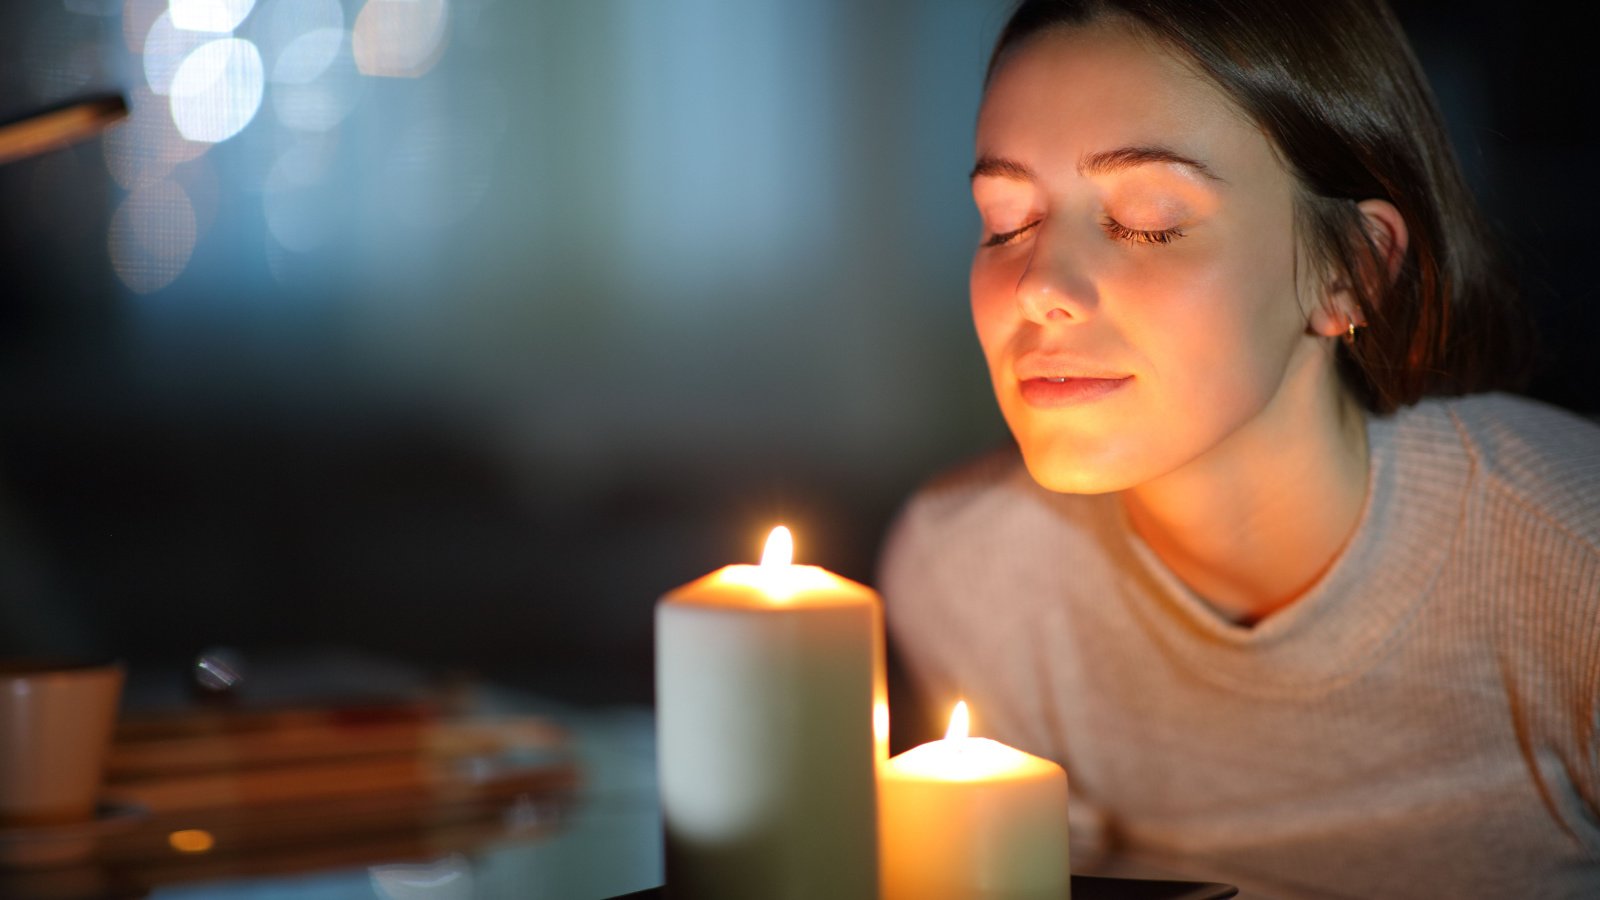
{"points": [[60, 126]]}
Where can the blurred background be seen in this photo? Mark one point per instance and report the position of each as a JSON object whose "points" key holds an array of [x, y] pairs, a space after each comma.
{"points": [[457, 331]]}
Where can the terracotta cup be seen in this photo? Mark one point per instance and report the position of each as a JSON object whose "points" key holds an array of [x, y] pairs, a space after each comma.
{"points": [[56, 720]]}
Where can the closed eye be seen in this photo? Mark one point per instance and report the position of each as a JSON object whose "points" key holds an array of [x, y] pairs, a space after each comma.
{"points": [[1006, 237], [1121, 232]]}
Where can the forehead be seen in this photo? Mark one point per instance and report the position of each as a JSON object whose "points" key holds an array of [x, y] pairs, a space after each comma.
{"points": [[1073, 90]]}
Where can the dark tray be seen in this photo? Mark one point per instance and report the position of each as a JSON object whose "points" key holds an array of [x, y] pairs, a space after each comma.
{"points": [[1089, 887]]}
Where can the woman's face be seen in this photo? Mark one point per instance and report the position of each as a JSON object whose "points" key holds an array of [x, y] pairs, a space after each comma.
{"points": [[1135, 287]]}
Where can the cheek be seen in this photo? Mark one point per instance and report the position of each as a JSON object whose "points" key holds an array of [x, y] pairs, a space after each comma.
{"points": [[994, 311], [1222, 324]]}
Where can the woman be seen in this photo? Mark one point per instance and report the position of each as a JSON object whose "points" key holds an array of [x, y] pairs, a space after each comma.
{"points": [[1286, 592]]}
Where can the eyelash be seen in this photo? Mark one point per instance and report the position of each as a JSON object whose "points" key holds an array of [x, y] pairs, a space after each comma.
{"points": [[1115, 229], [1006, 237], [1121, 232]]}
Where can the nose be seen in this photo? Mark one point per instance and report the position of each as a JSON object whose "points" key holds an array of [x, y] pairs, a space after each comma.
{"points": [[1054, 288]]}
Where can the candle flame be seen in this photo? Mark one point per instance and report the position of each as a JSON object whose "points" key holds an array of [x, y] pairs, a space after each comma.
{"points": [[959, 723], [780, 548]]}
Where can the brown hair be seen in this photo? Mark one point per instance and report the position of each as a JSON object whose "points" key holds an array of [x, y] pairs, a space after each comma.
{"points": [[1335, 87]]}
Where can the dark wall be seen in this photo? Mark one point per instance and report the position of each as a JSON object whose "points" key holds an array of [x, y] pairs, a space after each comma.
{"points": [[1513, 80]]}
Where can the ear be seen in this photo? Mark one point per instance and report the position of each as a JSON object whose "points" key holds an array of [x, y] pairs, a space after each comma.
{"points": [[1386, 229]]}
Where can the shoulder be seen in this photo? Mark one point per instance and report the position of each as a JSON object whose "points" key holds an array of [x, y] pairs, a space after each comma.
{"points": [[1525, 548], [1530, 533], [1536, 458], [973, 493], [952, 510]]}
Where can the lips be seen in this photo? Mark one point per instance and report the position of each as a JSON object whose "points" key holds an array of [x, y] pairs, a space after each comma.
{"points": [[1050, 380], [1050, 392]]}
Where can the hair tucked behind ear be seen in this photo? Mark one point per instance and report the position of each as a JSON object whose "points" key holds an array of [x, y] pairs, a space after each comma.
{"points": [[1335, 87]]}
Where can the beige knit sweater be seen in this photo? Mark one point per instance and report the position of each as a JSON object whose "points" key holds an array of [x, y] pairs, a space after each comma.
{"points": [[1425, 722]]}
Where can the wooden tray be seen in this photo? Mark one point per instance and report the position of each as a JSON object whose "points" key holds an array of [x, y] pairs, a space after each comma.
{"points": [[220, 793]]}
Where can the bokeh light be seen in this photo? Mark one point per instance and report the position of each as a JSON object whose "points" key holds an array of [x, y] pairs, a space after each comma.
{"points": [[308, 56], [137, 18], [323, 100], [166, 46], [213, 16], [210, 65], [152, 236], [146, 147], [280, 22], [400, 38], [217, 90], [449, 878], [191, 840]]}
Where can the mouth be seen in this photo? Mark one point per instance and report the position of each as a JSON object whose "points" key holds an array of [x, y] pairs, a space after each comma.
{"points": [[1055, 391]]}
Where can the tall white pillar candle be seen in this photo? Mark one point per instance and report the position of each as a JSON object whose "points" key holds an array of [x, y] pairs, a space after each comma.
{"points": [[969, 818], [766, 682]]}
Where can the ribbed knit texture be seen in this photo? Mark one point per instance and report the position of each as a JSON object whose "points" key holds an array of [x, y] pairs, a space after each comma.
{"points": [[1424, 722]]}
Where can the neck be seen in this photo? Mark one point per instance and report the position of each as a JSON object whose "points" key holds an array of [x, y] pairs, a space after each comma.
{"points": [[1255, 521]]}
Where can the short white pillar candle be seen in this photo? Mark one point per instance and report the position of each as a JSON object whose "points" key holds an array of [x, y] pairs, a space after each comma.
{"points": [[969, 818]]}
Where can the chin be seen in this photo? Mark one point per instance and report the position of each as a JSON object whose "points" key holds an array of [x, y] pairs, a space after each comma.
{"points": [[1072, 473], [1077, 459]]}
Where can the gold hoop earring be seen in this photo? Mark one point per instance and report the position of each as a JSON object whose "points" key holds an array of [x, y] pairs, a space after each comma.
{"points": [[1350, 334]]}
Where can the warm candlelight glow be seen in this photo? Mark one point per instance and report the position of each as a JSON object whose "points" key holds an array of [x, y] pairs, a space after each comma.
{"points": [[960, 723], [880, 727], [967, 817], [961, 757], [777, 581], [779, 550], [779, 578]]}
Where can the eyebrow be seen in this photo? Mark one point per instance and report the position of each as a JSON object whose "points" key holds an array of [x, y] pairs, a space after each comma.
{"points": [[1108, 161], [996, 167], [1105, 162]]}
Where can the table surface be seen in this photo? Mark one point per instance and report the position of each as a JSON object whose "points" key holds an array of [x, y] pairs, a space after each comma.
{"points": [[595, 836]]}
